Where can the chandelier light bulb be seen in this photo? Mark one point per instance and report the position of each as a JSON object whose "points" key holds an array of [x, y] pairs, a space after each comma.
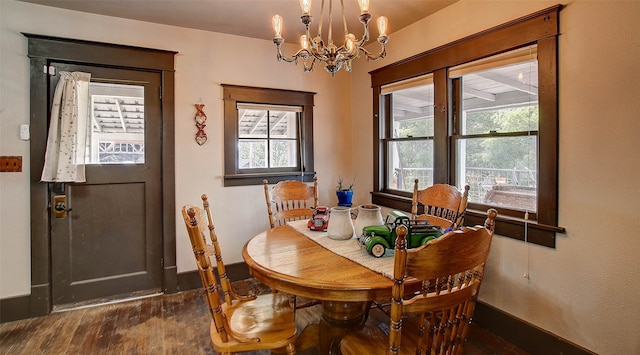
{"points": [[305, 5], [382, 26], [364, 6], [276, 21]]}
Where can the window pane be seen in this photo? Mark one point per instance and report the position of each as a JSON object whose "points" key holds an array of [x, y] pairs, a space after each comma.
{"points": [[283, 124], [252, 153], [410, 160], [501, 99], [116, 128], [501, 171], [412, 112], [252, 123], [283, 154]]}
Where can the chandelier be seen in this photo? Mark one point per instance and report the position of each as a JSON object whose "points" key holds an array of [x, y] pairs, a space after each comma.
{"points": [[314, 49]]}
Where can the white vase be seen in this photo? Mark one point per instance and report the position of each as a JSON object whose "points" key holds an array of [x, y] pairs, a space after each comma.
{"points": [[368, 215], [340, 224]]}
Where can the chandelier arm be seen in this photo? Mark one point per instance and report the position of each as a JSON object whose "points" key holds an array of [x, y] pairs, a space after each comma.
{"points": [[364, 19], [302, 53], [310, 67], [381, 54]]}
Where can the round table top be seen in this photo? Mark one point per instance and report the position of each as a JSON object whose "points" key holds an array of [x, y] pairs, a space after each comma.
{"points": [[286, 260]]}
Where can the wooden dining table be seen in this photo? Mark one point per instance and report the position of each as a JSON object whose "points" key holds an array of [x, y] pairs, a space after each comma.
{"points": [[286, 260]]}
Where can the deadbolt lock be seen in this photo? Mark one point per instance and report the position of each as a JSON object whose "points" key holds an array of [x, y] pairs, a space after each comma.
{"points": [[60, 206]]}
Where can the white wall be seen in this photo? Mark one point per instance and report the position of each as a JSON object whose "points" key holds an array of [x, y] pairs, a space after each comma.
{"points": [[583, 290], [586, 289]]}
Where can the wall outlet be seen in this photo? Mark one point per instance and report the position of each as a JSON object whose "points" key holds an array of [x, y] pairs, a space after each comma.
{"points": [[11, 164]]}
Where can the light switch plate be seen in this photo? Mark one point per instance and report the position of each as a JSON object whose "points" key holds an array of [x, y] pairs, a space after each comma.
{"points": [[24, 132]]}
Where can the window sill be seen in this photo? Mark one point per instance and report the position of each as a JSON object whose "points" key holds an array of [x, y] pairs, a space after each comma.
{"points": [[256, 179], [510, 227]]}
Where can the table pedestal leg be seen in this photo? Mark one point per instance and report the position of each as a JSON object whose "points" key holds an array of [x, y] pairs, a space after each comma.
{"points": [[338, 319]]}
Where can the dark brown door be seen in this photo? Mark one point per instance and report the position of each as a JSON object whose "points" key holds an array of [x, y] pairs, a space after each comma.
{"points": [[109, 244]]}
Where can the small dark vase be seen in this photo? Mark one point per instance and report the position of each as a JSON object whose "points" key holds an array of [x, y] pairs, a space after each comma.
{"points": [[344, 197]]}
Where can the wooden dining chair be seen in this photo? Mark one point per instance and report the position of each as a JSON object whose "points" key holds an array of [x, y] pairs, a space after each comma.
{"points": [[290, 200], [443, 205], [239, 323], [435, 319]]}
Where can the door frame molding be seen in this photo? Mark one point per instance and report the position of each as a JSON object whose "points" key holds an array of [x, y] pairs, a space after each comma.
{"points": [[43, 50]]}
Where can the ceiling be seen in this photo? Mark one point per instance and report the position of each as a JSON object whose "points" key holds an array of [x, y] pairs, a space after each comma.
{"points": [[253, 18]]}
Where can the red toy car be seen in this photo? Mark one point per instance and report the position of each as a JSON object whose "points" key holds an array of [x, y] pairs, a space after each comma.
{"points": [[320, 219]]}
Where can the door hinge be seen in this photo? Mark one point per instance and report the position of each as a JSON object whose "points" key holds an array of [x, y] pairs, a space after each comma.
{"points": [[49, 69], [160, 93], [162, 263]]}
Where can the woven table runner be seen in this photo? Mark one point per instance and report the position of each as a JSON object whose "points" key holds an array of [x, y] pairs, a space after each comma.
{"points": [[349, 249]]}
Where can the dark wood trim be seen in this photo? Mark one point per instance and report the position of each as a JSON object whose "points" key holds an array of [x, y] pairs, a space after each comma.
{"points": [[108, 54], [232, 94], [42, 50], [525, 335], [548, 131], [15, 308], [490, 42], [515, 228], [170, 283], [506, 226], [441, 125], [540, 28], [40, 242], [383, 104]]}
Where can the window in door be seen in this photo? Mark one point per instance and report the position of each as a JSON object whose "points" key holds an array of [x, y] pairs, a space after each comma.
{"points": [[116, 126]]}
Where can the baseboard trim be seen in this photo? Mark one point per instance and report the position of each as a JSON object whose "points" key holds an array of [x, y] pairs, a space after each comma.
{"points": [[15, 308], [523, 334], [191, 280]]}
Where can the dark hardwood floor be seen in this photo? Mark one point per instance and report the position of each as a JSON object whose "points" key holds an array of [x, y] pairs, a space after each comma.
{"points": [[164, 324]]}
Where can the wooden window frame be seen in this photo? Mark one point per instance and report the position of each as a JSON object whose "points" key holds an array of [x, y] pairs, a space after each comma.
{"points": [[540, 28], [232, 95]]}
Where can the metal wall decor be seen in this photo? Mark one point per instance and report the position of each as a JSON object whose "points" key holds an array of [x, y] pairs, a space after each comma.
{"points": [[201, 117]]}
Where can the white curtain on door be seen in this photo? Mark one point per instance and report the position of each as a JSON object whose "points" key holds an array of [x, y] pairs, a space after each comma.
{"points": [[64, 159]]}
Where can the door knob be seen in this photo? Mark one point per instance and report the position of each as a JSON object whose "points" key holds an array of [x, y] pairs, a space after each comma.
{"points": [[60, 206]]}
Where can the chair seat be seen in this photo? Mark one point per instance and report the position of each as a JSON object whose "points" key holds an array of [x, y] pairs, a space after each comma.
{"points": [[268, 317]]}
